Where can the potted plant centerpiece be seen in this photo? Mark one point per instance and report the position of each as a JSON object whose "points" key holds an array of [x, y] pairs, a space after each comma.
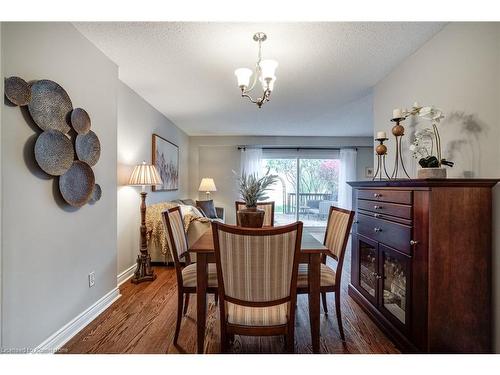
{"points": [[252, 190]]}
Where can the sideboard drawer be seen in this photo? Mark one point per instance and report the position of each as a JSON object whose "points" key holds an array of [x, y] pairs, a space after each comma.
{"points": [[395, 196], [392, 234], [384, 208]]}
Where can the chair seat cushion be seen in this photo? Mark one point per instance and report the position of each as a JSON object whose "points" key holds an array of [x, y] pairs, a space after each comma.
{"points": [[257, 316], [189, 275], [327, 276]]}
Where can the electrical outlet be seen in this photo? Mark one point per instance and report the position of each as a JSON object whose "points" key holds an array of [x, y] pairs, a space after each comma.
{"points": [[91, 279]]}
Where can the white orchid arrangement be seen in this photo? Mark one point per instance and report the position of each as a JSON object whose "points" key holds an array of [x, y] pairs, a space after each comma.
{"points": [[420, 146]]}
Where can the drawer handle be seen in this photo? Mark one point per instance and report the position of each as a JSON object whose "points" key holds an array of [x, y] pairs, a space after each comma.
{"points": [[377, 229], [355, 222], [376, 195], [413, 242], [376, 215], [379, 277], [377, 207]]}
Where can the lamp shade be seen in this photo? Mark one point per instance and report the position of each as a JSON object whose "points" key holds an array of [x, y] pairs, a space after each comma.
{"points": [[268, 68], [265, 86], [243, 75], [207, 184], [145, 174]]}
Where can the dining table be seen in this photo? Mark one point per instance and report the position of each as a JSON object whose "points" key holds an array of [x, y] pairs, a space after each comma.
{"points": [[311, 252]]}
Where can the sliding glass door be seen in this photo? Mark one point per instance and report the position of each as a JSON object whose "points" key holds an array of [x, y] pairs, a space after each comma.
{"points": [[283, 192], [318, 190], [307, 185]]}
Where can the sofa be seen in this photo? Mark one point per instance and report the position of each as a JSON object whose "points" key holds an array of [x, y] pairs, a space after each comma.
{"points": [[195, 222]]}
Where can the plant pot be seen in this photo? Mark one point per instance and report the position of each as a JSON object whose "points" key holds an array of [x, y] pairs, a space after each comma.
{"points": [[432, 173], [251, 217]]}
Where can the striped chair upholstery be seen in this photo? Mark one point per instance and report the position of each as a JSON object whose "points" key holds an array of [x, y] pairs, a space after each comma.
{"points": [[268, 208], [327, 276], [178, 234], [257, 268], [336, 231], [185, 270], [335, 236]]}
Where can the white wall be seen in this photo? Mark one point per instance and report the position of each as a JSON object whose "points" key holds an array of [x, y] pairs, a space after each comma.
{"points": [[458, 70], [137, 121], [48, 248], [217, 157]]}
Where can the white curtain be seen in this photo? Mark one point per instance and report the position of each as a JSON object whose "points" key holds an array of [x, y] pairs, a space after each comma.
{"points": [[251, 161], [347, 173]]}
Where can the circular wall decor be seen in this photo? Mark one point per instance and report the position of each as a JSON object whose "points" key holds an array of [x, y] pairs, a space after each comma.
{"points": [[17, 90], [77, 184], [80, 120], [96, 193], [88, 148], [54, 152], [50, 105]]}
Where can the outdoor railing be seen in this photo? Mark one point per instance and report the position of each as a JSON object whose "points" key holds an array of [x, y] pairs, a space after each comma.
{"points": [[304, 200]]}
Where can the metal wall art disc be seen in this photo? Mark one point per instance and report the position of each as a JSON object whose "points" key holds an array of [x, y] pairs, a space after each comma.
{"points": [[77, 184], [17, 90], [50, 106], [54, 152], [88, 148], [80, 120], [96, 193]]}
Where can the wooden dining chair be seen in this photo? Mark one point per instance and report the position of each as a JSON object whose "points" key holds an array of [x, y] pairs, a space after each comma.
{"points": [[186, 275], [336, 237], [257, 276], [268, 208]]}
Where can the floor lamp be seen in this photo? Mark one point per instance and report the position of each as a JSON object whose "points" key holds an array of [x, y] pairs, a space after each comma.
{"points": [[144, 175]]}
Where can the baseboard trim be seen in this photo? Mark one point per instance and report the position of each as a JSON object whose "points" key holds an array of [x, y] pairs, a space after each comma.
{"points": [[125, 275], [63, 335]]}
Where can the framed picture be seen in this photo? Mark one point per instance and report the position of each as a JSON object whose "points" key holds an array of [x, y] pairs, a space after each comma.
{"points": [[166, 160], [369, 172]]}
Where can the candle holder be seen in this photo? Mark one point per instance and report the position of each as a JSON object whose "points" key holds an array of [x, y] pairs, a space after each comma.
{"points": [[398, 131], [381, 151]]}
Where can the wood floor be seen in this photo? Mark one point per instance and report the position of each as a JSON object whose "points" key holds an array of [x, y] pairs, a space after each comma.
{"points": [[143, 321]]}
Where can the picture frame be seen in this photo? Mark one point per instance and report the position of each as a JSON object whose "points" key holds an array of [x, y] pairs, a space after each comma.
{"points": [[369, 172], [165, 157]]}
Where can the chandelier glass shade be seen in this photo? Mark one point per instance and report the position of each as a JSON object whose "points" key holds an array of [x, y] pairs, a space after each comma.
{"points": [[264, 73]]}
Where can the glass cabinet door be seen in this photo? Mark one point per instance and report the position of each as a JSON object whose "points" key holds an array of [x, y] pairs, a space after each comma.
{"points": [[394, 296], [368, 260]]}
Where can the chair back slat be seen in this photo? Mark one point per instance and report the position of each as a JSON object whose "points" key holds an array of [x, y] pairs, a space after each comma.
{"points": [[257, 265], [337, 230], [174, 230]]}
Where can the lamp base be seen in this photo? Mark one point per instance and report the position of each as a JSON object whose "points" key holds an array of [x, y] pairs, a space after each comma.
{"points": [[143, 271]]}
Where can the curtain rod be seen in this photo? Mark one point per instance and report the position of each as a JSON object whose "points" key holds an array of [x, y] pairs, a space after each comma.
{"points": [[298, 148]]}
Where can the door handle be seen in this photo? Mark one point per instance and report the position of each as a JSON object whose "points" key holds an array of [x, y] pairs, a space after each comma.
{"points": [[413, 242], [377, 230]]}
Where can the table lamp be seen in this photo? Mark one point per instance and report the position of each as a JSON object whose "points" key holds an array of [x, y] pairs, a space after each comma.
{"points": [[144, 175], [207, 185]]}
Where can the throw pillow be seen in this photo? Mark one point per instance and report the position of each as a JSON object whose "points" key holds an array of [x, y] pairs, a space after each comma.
{"points": [[208, 208]]}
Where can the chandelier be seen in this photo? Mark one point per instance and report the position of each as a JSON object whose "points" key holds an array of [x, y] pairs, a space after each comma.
{"points": [[264, 72]]}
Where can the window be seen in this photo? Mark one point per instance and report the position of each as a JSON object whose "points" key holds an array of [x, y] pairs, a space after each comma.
{"points": [[307, 184]]}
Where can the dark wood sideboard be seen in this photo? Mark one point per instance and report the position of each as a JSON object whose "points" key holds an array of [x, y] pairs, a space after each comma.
{"points": [[421, 262]]}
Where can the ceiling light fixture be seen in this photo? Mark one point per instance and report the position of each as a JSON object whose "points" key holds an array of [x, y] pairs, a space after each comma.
{"points": [[264, 72]]}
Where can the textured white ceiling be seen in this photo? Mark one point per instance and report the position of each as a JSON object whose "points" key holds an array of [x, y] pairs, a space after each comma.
{"points": [[324, 80]]}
